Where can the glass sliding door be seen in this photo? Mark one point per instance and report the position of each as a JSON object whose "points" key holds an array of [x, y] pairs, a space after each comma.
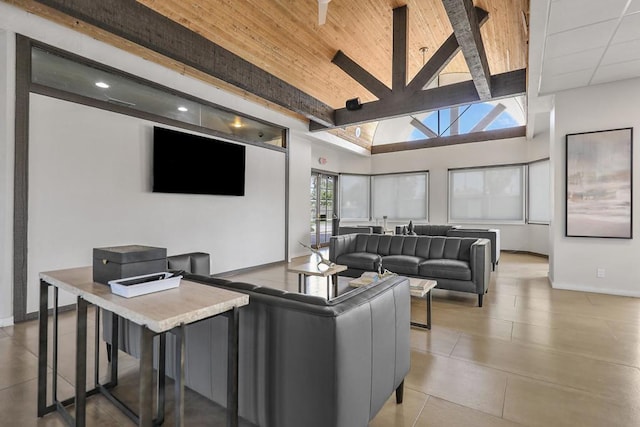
{"points": [[324, 220]]}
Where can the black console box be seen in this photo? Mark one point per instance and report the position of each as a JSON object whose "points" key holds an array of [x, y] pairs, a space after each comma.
{"points": [[126, 261]]}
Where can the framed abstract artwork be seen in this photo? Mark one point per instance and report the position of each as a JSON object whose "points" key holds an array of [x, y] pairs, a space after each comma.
{"points": [[599, 184]]}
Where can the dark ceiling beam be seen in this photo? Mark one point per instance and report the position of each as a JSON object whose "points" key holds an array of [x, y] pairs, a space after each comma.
{"points": [[362, 76], [439, 60], [504, 85], [467, 30], [399, 62], [137, 23]]}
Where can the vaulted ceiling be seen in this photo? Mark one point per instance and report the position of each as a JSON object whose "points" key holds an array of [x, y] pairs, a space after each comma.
{"points": [[284, 40]]}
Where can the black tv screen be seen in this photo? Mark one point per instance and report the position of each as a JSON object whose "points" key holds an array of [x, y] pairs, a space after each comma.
{"points": [[192, 164]]}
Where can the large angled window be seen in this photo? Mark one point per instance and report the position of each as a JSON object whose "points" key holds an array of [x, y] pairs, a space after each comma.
{"points": [[472, 118], [488, 194]]}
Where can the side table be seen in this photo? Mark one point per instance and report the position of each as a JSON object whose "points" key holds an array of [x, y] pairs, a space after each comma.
{"points": [[157, 313], [420, 288], [312, 269]]}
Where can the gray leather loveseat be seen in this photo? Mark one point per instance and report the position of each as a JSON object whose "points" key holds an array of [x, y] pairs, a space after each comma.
{"points": [[493, 234], [303, 360], [456, 263]]}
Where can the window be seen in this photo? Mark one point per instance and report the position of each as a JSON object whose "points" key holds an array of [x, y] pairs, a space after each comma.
{"points": [[539, 206], [400, 196], [488, 194], [354, 197]]}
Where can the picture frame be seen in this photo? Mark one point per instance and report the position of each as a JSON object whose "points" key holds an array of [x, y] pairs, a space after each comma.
{"points": [[598, 184]]}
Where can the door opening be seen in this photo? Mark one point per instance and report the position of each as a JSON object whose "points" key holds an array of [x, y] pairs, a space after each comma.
{"points": [[324, 219]]}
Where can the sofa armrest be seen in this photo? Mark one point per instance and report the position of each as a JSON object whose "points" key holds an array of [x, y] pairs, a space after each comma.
{"points": [[354, 229], [339, 245], [492, 234], [480, 263], [192, 262]]}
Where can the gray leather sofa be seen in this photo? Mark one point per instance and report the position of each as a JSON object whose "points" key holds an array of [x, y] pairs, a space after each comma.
{"points": [[456, 263], [493, 234], [303, 360]]}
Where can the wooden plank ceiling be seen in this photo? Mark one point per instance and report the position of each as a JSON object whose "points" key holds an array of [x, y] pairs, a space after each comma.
{"points": [[283, 38]]}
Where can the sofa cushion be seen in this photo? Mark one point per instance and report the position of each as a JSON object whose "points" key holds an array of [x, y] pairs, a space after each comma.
{"points": [[359, 260], [445, 269], [402, 264]]}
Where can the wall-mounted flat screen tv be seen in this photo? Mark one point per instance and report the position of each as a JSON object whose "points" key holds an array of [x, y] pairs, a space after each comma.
{"points": [[192, 164]]}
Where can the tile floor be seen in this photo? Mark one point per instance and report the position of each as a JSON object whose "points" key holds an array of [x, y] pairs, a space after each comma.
{"points": [[532, 356]]}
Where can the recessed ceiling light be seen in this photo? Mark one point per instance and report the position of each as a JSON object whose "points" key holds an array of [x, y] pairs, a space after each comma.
{"points": [[102, 85], [237, 123], [183, 109]]}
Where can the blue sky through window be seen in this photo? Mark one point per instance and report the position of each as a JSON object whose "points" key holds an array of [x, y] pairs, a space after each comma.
{"points": [[470, 115]]}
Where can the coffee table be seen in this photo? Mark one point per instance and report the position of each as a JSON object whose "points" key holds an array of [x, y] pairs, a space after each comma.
{"points": [[421, 288], [320, 270]]}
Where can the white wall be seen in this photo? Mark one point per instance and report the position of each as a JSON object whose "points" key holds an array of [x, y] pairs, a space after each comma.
{"points": [[89, 186], [575, 260], [339, 160], [300, 205], [7, 89], [538, 235]]}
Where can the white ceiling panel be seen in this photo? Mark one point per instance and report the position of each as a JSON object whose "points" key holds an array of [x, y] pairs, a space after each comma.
{"points": [[622, 52], [584, 38], [620, 71], [587, 59], [569, 14], [628, 29], [551, 84], [575, 33]]}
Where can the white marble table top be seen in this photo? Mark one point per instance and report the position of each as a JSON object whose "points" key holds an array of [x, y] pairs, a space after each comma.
{"points": [[420, 287], [311, 269], [158, 311]]}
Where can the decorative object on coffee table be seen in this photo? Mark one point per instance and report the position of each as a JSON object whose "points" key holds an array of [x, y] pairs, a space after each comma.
{"points": [[118, 262], [323, 260], [370, 277]]}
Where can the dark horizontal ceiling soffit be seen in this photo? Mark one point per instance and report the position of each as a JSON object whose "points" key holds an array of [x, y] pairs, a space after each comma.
{"points": [[145, 27], [405, 99]]}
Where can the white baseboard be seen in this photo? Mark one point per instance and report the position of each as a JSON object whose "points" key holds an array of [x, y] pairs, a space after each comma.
{"points": [[607, 291], [6, 322]]}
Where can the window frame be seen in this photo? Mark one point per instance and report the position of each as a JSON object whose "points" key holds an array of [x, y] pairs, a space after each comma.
{"points": [[523, 193], [424, 173]]}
